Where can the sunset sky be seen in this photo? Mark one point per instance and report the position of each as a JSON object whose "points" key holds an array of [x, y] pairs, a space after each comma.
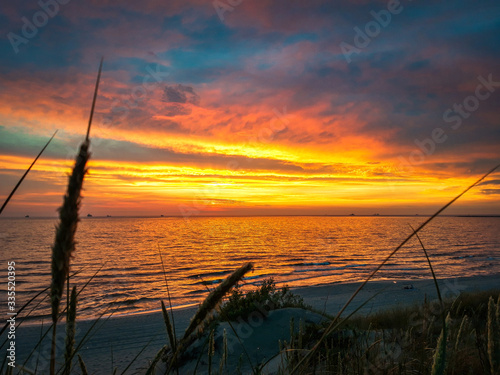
{"points": [[259, 107]]}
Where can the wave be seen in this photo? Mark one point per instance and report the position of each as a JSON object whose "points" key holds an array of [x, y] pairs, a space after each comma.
{"points": [[196, 292], [332, 268], [210, 274], [208, 282], [310, 264], [261, 276]]}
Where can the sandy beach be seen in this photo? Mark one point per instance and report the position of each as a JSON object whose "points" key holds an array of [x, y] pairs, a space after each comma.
{"points": [[116, 341]]}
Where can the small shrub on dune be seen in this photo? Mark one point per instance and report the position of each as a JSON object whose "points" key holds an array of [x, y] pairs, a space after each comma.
{"points": [[267, 297]]}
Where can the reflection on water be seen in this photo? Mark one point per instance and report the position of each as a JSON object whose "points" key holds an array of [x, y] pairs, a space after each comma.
{"points": [[200, 252]]}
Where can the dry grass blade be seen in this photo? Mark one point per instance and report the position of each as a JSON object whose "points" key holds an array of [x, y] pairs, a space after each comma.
{"points": [[493, 338], [87, 336], [6, 325], [210, 303], [64, 244], [168, 325], [439, 360], [440, 355], [168, 295], [240, 342], [83, 368], [211, 350], [135, 358], [152, 367], [26, 173], [90, 279], [94, 99], [305, 360], [498, 309], [461, 331], [443, 317], [70, 332], [215, 297], [223, 360]]}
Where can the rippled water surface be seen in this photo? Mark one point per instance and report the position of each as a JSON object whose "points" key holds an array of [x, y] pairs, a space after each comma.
{"points": [[199, 252]]}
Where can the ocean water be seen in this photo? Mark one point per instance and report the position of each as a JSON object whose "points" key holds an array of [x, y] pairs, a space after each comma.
{"points": [[124, 255]]}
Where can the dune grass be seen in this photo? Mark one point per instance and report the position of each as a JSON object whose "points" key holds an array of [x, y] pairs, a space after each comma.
{"points": [[266, 298], [64, 243]]}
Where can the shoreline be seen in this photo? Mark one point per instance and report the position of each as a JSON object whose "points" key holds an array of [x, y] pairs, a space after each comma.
{"points": [[123, 337], [346, 288]]}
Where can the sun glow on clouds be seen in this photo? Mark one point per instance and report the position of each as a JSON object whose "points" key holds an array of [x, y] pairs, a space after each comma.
{"points": [[168, 188], [259, 114]]}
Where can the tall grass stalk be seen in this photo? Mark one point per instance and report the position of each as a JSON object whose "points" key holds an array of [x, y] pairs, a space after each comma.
{"points": [[223, 360], [172, 331], [6, 325], [461, 331], [439, 360], [245, 352], [83, 368], [330, 328], [215, 297], [440, 355], [152, 367], [208, 305], [211, 350], [168, 325], [498, 309], [493, 338], [64, 244], [438, 291], [135, 358], [70, 332], [43, 335], [25, 174]]}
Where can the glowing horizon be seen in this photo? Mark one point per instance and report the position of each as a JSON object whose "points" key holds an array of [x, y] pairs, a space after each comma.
{"points": [[259, 113]]}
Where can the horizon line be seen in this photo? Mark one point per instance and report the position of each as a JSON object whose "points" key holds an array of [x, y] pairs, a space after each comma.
{"points": [[248, 216]]}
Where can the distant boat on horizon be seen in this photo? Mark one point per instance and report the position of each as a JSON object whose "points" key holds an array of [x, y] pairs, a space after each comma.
{"points": [[89, 215], [108, 215], [27, 216]]}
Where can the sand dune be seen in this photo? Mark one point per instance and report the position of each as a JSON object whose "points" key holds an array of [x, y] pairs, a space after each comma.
{"points": [[117, 340]]}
